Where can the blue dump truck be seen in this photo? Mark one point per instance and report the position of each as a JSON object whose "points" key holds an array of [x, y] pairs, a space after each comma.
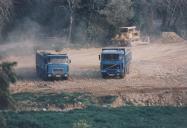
{"points": [[115, 62], [52, 64]]}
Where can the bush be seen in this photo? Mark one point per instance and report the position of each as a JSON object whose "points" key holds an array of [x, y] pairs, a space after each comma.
{"points": [[7, 76], [81, 124], [2, 122]]}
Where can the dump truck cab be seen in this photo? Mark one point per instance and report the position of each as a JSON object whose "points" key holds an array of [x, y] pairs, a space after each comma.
{"points": [[115, 62], [52, 64]]}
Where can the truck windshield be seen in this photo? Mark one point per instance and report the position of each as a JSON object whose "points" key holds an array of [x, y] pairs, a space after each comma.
{"points": [[110, 57], [58, 60]]}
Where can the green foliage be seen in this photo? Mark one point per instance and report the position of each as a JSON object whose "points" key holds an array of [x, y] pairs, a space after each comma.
{"points": [[80, 20], [5, 14], [7, 76], [90, 20], [2, 121], [64, 98], [57, 99], [81, 124], [118, 12], [126, 117], [7, 73], [160, 15]]}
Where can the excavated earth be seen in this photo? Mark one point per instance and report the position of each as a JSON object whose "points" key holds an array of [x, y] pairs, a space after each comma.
{"points": [[158, 75]]}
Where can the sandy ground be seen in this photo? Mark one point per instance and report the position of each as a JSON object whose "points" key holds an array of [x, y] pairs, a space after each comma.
{"points": [[158, 75]]}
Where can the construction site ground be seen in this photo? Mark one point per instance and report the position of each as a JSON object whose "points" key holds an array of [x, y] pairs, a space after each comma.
{"points": [[158, 75]]}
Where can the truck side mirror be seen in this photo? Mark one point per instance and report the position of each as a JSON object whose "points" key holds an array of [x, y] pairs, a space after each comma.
{"points": [[99, 57]]}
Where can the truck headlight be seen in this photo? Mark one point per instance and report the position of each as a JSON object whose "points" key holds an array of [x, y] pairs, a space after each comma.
{"points": [[103, 71], [66, 75], [49, 75]]}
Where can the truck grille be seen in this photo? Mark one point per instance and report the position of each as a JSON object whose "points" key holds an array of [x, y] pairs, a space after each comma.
{"points": [[111, 66], [58, 71]]}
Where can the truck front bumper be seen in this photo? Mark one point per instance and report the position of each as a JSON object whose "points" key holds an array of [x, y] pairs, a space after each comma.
{"points": [[111, 72], [57, 75]]}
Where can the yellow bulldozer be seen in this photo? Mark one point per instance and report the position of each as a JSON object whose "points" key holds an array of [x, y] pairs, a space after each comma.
{"points": [[126, 36]]}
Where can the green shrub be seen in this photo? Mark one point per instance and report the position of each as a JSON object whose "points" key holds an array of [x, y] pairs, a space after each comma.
{"points": [[2, 121], [81, 124], [7, 76]]}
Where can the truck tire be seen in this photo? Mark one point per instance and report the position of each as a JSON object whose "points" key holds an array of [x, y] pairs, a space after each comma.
{"points": [[45, 77], [40, 73], [128, 69], [104, 76], [66, 78], [37, 70], [122, 75]]}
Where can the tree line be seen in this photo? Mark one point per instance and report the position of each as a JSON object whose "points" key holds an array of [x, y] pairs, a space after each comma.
{"points": [[91, 20], [7, 76]]}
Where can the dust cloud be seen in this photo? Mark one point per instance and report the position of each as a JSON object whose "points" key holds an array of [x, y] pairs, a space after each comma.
{"points": [[27, 37]]}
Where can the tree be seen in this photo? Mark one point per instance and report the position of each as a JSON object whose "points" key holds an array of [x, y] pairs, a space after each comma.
{"points": [[3, 123], [72, 5], [172, 12], [7, 76], [5, 12], [118, 12], [145, 14], [160, 15]]}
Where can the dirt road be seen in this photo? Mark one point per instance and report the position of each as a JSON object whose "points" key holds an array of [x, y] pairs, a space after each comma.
{"points": [[158, 75]]}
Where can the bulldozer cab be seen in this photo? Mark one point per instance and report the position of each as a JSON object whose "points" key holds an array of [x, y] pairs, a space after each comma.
{"points": [[126, 36], [130, 32], [127, 29]]}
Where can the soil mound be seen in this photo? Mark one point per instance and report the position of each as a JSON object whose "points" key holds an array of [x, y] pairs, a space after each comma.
{"points": [[171, 37]]}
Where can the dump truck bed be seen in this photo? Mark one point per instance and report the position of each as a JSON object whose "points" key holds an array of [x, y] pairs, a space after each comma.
{"points": [[51, 52]]}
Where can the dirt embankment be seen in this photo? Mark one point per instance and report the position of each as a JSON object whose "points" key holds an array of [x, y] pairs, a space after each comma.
{"points": [[158, 76], [171, 37]]}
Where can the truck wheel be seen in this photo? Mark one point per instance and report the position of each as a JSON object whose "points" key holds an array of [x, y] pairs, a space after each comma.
{"points": [[104, 76], [66, 78], [51, 79], [122, 75], [128, 70], [45, 78], [37, 72], [40, 73]]}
